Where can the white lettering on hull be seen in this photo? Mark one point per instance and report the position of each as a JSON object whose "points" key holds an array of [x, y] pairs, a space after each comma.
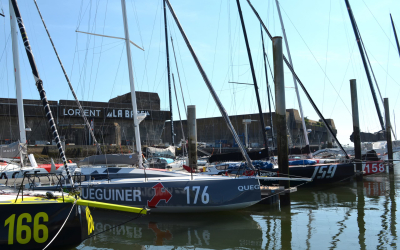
{"points": [[248, 187], [111, 194]]}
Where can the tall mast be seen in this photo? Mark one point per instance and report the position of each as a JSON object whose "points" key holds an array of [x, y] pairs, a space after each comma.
{"points": [[303, 123], [254, 77], [17, 75], [354, 25], [132, 84], [395, 34], [266, 80], [169, 77], [212, 90], [39, 85]]}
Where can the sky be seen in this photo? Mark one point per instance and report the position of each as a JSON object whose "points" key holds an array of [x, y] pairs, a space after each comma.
{"points": [[321, 40]]}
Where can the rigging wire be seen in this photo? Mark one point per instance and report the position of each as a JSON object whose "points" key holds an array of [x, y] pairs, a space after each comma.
{"points": [[215, 53], [158, 61], [93, 53], [369, 63], [76, 44], [180, 57], [326, 55], [146, 57], [232, 47], [93, 48], [148, 51], [343, 80], [135, 15], [82, 72], [8, 89], [273, 80], [145, 77], [179, 112], [179, 78], [387, 73], [84, 66], [80, 17], [387, 67], [70, 85], [345, 28], [1, 7], [315, 59], [115, 78], [379, 24], [5, 45], [101, 51]]}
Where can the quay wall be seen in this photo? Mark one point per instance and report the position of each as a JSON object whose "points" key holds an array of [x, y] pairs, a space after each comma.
{"points": [[213, 131]]}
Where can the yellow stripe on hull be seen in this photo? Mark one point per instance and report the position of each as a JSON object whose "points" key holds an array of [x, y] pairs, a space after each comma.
{"points": [[104, 205], [70, 199]]}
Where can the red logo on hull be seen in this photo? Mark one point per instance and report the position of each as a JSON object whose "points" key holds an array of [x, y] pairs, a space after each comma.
{"points": [[161, 193]]}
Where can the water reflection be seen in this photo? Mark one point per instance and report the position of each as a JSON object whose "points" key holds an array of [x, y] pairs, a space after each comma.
{"points": [[215, 231], [352, 215]]}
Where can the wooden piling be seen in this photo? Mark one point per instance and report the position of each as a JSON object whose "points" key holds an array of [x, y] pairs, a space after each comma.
{"points": [[191, 122], [388, 135], [356, 128], [280, 114]]}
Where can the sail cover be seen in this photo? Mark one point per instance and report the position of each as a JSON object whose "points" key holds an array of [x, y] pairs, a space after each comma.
{"points": [[170, 151], [13, 150], [237, 156], [109, 159]]}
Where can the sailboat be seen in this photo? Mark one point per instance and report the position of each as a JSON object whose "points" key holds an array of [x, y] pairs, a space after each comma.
{"points": [[320, 170], [41, 219], [181, 193], [378, 148]]}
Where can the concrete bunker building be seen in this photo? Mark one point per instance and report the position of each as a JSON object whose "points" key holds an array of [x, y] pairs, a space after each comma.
{"points": [[112, 120]]}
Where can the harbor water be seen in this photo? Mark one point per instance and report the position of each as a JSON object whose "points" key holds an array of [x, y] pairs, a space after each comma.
{"points": [[345, 215]]}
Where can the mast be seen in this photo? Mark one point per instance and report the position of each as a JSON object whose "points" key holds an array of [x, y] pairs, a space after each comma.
{"points": [[395, 34], [254, 77], [132, 84], [303, 123], [39, 85], [169, 77], [17, 75], [70, 86], [354, 25], [266, 78], [211, 89]]}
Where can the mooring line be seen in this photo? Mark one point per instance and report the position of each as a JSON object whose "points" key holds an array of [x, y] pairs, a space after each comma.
{"points": [[62, 226]]}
